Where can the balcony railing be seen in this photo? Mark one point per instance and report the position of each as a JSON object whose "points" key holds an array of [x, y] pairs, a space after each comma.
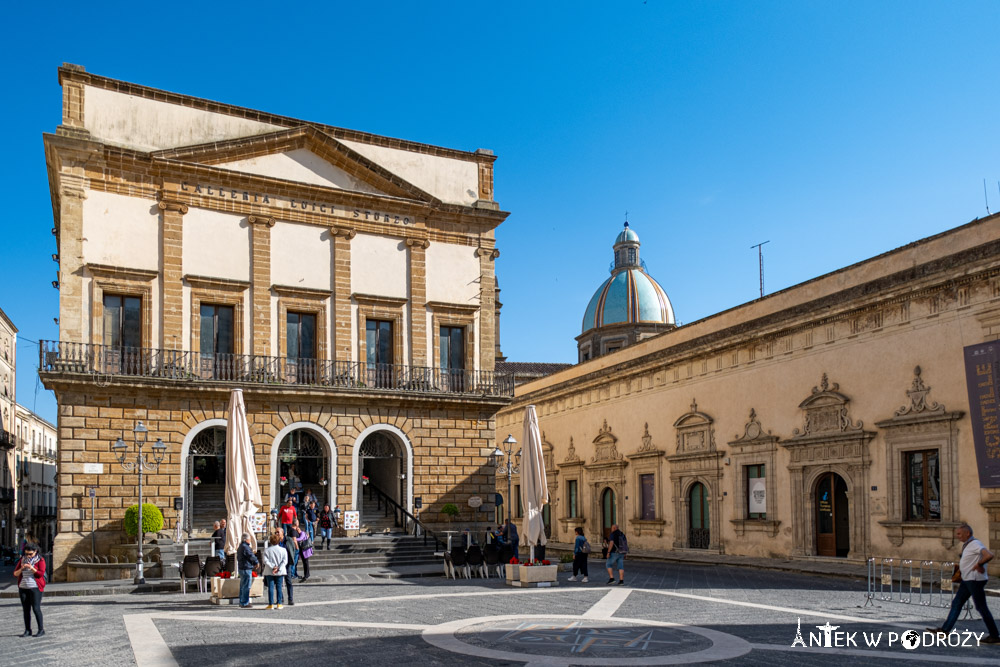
{"points": [[102, 360], [6, 495], [7, 440]]}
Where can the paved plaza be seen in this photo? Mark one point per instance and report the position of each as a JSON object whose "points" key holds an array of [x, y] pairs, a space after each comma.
{"points": [[667, 614]]}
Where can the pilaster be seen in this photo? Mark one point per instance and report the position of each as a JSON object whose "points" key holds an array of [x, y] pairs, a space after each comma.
{"points": [[171, 285], [342, 293], [260, 283], [418, 301], [72, 192], [487, 308]]}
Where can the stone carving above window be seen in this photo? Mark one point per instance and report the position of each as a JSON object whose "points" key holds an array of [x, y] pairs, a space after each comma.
{"points": [[826, 412], [647, 441], [752, 432], [918, 398], [571, 456], [547, 454], [694, 432], [605, 445]]}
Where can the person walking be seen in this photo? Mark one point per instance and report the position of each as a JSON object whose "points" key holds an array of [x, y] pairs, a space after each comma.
{"points": [[275, 569], [326, 524], [972, 567], [510, 534], [311, 517], [245, 563], [305, 551], [219, 540], [617, 548], [581, 552], [287, 514], [30, 573], [287, 542]]}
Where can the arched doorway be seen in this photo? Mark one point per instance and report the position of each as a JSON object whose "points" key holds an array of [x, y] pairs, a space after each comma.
{"points": [[206, 463], [833, 522], [382, 459], [608, 514], [700, 532], [304, 463]]}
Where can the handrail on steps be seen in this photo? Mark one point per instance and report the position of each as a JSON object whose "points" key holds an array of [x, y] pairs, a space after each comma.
{"points": [[400, 515]]}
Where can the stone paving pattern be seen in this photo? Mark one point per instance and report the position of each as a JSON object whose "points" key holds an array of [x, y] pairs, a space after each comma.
{"points": [[91, 630]]}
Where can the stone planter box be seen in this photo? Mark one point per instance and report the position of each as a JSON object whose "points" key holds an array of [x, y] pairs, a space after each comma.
{"points": [[536, 576], [230, 588]]}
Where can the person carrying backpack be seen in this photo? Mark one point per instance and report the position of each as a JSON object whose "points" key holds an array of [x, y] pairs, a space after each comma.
{"points": [[617, 548], [581, 552]]}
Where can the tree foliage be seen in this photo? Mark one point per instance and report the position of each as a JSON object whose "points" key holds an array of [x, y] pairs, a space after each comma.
{"points": [[152, 519]]}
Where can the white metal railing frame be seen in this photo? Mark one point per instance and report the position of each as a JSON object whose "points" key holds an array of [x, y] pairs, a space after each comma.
{"points": [[896, 580]]}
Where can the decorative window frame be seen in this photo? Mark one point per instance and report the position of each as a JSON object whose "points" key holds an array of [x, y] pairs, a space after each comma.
{"points": [[606, 470], [645, 461], [754, 447], [302, 300], [126, 282], [572, 470], [373, 307], [222, 292], [921, 425], [453, 315]]}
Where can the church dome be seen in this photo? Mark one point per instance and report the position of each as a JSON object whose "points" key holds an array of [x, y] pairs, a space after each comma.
{"points": [[630, 295]]}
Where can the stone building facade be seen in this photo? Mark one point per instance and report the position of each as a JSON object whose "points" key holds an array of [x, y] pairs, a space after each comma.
{"points": [[344, 280], [831, 418], [35, 462], [8, 439]]}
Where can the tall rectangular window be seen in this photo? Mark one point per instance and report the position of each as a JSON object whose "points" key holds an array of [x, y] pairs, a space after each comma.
{"points": [[122, 321], [647, 484], [216, 330], [378, 342], [923, 485], [300, 335], [756, 492], [452, 349], [572, 493]]}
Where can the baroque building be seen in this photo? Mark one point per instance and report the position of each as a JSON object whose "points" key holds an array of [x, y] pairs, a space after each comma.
{"points": [[344, 280], [36, 477], [8, 439], [829, 419]]}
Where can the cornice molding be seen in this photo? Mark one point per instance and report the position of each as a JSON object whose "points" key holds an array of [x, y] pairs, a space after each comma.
{"points": [[108, 271], [301, 292], [378, 300], [216, 283]]}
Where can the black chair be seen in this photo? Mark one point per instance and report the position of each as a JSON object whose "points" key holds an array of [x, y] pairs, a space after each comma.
{"points": [[474, 559], [191, 569], [230, 562], [213, 565], [491, 558], [506, 553], [458, 561]]}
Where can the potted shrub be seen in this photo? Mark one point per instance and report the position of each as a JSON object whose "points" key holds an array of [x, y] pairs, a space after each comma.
{"points": [[152, 520], [450, 510], [537, 571]]}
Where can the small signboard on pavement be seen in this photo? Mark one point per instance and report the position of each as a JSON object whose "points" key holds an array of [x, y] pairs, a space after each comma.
{"points": [[258, 522], [352, 520]]}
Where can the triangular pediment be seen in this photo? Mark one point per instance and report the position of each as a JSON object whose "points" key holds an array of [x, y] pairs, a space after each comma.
{"points": [[300, 155]]}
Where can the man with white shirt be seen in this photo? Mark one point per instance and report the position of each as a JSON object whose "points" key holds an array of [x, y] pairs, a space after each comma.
{"points": [[972, 565]]}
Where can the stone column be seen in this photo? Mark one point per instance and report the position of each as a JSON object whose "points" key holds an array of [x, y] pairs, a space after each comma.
{"points": [[487, 309], [260, 284], [418, 301], [342, 343], [171, 281]]}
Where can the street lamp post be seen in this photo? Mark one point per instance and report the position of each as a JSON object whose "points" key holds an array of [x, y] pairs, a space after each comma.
{"points": [[141, 463], [510, 467]]}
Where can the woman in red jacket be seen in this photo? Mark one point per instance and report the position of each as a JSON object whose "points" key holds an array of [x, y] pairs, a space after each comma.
{"points": [[30, 573]]}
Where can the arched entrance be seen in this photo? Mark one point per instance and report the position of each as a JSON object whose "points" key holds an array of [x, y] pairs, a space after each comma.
{"points": [[382, 459], [206, 463], [304, 462], [699, 531], [833, 522], [608, 514]]}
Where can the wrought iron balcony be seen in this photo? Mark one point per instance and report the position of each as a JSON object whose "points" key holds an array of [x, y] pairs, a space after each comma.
{"points": [[104, 361], [7, 440], [6, 495]]}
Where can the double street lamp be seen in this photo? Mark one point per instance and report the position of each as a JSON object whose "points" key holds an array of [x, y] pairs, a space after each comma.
{"points": [[510, 467], [141, 463]]}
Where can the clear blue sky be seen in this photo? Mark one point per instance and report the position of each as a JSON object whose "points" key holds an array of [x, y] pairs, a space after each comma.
{"points": [[835, 130]]}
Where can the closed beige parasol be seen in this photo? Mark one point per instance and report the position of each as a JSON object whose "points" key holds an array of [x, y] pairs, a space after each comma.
{"points": [[242, 489], [534, 491]]}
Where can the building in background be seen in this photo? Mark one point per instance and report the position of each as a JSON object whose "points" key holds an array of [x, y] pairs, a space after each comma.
{"points": [[829, 419], [36, 477], [344, 280], [8, 439]]}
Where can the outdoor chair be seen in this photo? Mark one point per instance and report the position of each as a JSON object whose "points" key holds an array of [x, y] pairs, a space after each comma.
{"points": [[491, 559], [506, 553], [458, 562], [191, 569], [230, 562], [474, 561], [449, 571], [213, 565]]}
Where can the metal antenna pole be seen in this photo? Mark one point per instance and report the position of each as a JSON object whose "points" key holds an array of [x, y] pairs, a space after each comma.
{"points": [[760, 261], [986, 197]]}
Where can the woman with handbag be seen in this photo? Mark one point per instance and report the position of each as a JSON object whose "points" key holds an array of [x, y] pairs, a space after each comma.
{"points": [[581, 552], [275, 565], [305, 551], [30, 573]]}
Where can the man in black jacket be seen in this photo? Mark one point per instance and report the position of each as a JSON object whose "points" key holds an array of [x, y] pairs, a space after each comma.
{"points": [[287, 543], [246, 561]]}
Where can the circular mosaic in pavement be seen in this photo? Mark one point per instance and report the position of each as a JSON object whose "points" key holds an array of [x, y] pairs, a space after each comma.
{"points": [[584, 641]]}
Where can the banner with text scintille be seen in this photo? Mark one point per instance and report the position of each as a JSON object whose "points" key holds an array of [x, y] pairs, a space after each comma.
{"points": [[982, 373]]}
